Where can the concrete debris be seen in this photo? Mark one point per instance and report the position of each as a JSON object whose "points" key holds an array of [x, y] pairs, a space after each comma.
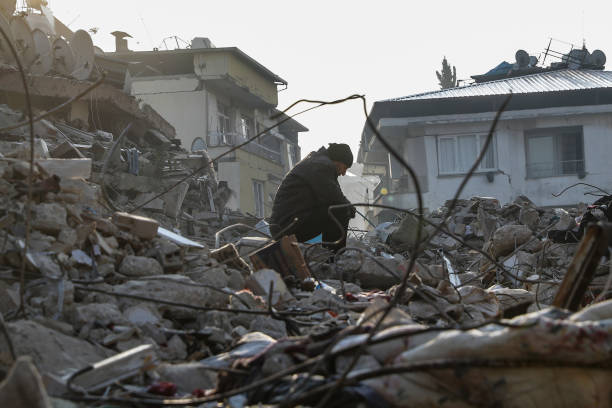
{"points": [[137, 283]]}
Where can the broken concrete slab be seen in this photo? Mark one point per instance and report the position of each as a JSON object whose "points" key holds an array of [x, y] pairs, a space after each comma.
{"points": [[174, 288], [51, 350], [142, 227], [67, 168]]}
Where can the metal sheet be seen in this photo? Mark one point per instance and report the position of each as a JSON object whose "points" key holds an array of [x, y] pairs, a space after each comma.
{"points": [[552, 81]]}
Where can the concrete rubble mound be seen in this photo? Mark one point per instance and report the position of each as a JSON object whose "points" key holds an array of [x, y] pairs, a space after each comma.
{"points": [[125, 281], [111, 302]]}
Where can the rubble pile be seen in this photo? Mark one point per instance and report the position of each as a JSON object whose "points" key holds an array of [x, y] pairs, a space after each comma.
{"points": [[119, 309]]}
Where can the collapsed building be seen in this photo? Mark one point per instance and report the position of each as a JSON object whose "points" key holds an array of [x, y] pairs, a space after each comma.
{"points": [[123, 286]]}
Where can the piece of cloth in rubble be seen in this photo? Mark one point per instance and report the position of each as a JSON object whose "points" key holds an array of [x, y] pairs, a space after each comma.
{"points": [[306, 193]]}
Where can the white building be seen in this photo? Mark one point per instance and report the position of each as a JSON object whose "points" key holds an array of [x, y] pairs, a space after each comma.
{"points": [[555, 132]]}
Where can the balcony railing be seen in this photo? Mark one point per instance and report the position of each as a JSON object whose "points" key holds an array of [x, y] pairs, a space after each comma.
{"points": [[217, 139]]}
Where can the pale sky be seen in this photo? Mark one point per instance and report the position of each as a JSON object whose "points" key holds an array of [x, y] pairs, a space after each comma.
{"points": [[334, 48]]}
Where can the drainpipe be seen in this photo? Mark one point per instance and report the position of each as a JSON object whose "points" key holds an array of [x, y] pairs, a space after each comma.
{"points": [[207, 119]]}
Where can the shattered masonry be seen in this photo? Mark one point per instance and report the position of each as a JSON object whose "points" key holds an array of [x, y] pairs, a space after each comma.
{"points": [[188, 302]]}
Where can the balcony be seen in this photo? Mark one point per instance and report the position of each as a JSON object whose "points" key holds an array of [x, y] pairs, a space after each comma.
{"points": [[230, 139]]}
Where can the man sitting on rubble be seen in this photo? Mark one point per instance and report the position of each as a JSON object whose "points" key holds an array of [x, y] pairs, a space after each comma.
{"points": [[307, 192]]}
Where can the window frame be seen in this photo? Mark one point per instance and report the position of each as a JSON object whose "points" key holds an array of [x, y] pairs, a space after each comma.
{"points": [[480, 138], [260, 205], [555, 133]]}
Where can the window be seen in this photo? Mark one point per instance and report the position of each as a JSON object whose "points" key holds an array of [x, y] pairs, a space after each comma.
{"points": [[247, 127], [554, 152], [224, 125], [456, 154], [258, 190], [198, 144]]}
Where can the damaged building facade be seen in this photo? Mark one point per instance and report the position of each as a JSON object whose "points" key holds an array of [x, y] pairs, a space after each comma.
{"points": [[217, 98], [555, 132]]}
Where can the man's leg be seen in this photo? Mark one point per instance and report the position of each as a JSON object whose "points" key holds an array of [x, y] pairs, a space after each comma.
{"points": [[332, 231]]}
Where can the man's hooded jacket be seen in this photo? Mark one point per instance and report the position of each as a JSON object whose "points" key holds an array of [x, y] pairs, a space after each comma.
{"points": [[310, 187]]}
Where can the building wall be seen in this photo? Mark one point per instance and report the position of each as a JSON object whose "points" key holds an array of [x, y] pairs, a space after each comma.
{"points": [[180, 100], [511, 159], [223, 64], [256, 168]]}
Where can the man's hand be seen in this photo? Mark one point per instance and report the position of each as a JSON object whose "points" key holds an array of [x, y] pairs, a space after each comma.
{"points": [[352, 211]]}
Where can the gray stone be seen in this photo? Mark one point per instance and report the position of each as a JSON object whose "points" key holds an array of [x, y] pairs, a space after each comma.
{"points": [[142, 314], [267, 325], [49, 218], [102, 313], [136, 266], [176, 349], [67, 236], [372, 276], [406, 234]]}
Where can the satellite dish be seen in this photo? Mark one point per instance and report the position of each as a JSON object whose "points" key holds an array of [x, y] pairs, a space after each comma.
{"points": [[533, 61], [63, 58], [82, 47], [24, 42], [44, 55], [5, 51], [598, 58], [522, 58], [40, 22]]}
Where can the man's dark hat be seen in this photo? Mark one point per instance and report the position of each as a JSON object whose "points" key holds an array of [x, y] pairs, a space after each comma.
{"points": [[340, 152]]}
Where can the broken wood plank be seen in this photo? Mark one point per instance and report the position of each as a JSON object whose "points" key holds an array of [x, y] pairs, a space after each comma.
{"points": [[581, 270]]}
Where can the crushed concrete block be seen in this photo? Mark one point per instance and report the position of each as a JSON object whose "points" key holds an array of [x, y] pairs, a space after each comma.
{"points": [[566, 221], [49, 218], [142, 227], [507, 238], [530, 217], [136, 266], [259, 283]]}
